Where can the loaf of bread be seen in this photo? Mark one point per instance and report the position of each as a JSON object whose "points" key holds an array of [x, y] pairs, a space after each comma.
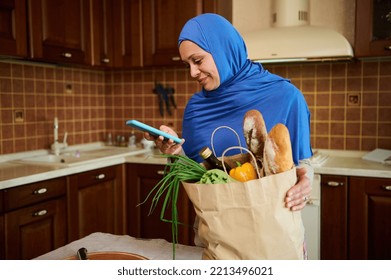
{"points": [[277, 156], [255, 133]]}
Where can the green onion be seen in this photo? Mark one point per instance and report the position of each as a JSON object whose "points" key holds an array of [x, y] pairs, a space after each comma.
{"points": [[180, 168]]}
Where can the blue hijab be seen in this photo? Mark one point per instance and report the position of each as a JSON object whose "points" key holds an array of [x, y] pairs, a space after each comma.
{"points": [[244, 85]]}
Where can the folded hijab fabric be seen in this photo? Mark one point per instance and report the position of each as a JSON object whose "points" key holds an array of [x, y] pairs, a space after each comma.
{"points": [[244, 85]]}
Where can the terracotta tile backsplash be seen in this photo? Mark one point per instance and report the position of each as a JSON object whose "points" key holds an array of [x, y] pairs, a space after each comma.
{"points": [[350, 103]]}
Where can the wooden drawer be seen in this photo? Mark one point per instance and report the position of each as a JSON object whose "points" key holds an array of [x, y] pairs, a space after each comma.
{"points": [[32, 193], [35, 230], [95, 176]]}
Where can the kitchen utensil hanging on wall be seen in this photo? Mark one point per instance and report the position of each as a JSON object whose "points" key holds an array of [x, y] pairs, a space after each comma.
{"points": [[165, 97]]}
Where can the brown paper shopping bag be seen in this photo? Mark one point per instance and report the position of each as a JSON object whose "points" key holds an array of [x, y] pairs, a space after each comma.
{"points": [[248, 220]]}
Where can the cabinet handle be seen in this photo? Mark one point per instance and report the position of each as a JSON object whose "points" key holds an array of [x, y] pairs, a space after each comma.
{"points": [[160, 172], [387, 48], [40, 213], [100, 176], [175, 58], [40, 191], [334, 184], [105, 60], [66, 55], [387, 188]]}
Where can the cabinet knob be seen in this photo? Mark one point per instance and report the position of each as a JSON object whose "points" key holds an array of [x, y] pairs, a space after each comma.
{"points": [[66, 54], [175, 58], [334, 184], [105, 60], [40, 213], [387, 188], [100, 176], [160, 172], [387, 48], [40, 191]]}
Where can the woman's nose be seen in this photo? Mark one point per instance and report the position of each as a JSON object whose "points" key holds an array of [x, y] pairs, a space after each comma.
{"points": [[194, 71]]}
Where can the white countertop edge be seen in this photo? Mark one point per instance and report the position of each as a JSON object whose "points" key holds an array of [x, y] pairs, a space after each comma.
{"points": [[59, 172], [352, 172], [55, 172]]}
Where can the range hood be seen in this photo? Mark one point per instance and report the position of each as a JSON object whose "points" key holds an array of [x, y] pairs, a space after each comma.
{"points": [[292, 39]]}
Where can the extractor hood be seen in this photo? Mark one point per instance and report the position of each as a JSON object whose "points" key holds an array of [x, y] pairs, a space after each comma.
{"points": [[292, 39]]}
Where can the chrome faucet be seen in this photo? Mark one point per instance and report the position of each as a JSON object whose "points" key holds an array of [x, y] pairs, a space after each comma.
{"points": [[57, 147]]}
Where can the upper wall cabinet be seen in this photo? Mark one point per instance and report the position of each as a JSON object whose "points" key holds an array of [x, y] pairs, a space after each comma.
{"points": [[100, 33], [127, 33], [60, 31], [116, 33], [373, 28], [102, 42], [162, 21], [13, 39]]}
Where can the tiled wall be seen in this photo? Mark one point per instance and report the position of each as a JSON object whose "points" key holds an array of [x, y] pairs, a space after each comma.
{"points": [[76, 97], [89, 104]]}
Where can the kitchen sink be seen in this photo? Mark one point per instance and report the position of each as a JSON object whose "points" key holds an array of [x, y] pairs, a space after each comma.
{"points": [[76, 157], [64, 159]]}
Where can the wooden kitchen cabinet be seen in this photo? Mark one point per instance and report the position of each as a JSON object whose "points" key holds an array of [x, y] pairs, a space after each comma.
{"points": [[162, 21], [2, 238], [117, 35], [96, 202], [373, 25], [137, 33], [355, 218], [2, 233], [141, 178], [34, 219], [1, 202], [369, 218], [13, 36], [60, 31], [102, 42], [334, 217]]}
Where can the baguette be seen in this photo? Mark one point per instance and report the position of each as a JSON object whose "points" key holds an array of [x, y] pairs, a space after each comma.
{"points": [[277, 156], [255, 133]]}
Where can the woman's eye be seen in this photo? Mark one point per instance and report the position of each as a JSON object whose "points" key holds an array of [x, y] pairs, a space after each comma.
{"points": [[197, 61]]}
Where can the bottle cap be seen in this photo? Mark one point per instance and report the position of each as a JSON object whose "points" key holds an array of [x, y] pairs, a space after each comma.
{"points": [[205, 152]]}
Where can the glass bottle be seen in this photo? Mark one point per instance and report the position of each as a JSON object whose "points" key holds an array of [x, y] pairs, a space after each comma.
{"points": [[213, 161]]}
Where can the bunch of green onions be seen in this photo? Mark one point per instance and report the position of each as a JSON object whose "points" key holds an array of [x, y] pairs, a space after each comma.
{"points": [[179, 168]]}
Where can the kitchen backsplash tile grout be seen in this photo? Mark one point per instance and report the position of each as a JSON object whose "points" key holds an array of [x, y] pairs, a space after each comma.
{"points": [[91, 103]]}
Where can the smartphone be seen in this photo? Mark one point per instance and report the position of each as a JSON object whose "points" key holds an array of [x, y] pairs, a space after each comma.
{"points": [[153, 131]]}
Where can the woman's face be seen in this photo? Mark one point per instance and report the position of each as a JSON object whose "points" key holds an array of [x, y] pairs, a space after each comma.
{"points": [[201, 64]]}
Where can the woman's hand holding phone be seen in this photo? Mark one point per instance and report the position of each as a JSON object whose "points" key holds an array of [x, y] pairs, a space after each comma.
{"points": [[166, 139], [166, 146]]}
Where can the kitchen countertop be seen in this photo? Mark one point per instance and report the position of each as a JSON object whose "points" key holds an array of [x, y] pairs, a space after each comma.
{"points": [[14, 172], [349, 163]]}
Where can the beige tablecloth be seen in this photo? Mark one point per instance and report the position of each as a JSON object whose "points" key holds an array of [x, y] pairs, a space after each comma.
{"points": [[154, 249]]}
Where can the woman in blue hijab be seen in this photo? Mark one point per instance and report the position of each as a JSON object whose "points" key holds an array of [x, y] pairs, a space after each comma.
{"points": [[231, 85]]}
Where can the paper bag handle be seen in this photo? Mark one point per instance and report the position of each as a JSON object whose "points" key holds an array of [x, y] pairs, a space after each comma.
{"points": [[240, 148], [213, 134]]}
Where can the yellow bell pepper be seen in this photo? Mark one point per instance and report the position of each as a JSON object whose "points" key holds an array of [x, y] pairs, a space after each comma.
{"points": [[243, 172]]}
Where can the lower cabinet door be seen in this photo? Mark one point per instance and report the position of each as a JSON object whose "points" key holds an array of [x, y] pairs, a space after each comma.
{"points": [[369, 218], [334, 217], [35, 230], [96, 202], [2, 233], [141, 179]]}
